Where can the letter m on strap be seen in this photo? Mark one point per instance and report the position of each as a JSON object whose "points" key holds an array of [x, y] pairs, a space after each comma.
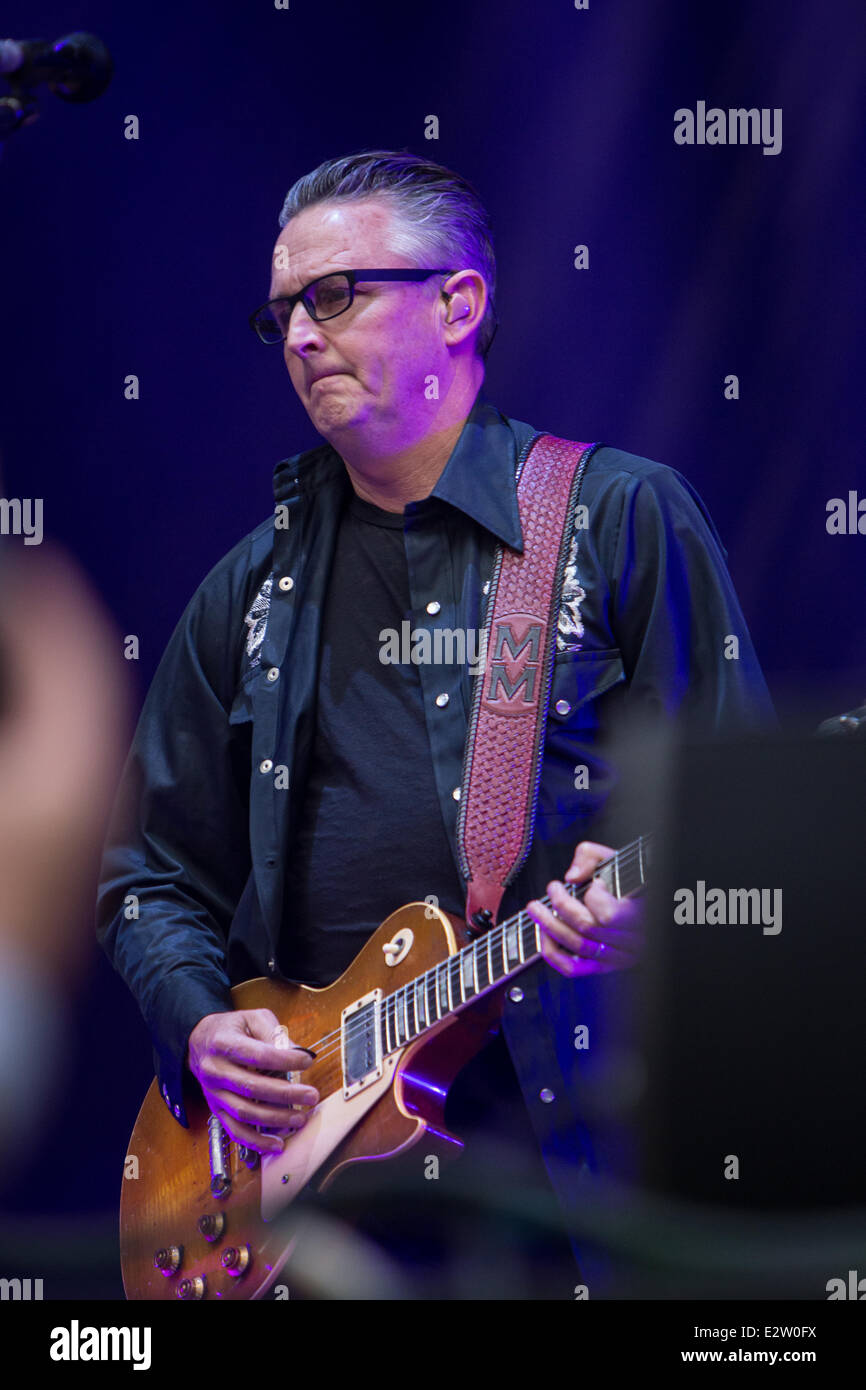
{"points": [[515, 663]]}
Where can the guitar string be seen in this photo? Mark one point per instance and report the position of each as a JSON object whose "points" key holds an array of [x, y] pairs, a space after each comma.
{"points": [[520, 919], [496, 935]]}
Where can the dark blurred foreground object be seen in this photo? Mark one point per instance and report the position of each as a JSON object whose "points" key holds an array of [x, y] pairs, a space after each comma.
{"points": [[745, 1060], [77, 68], [64, 724]]}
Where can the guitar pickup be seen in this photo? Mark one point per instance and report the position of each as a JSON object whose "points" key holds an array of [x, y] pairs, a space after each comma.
{"points": [[361, 1043]]}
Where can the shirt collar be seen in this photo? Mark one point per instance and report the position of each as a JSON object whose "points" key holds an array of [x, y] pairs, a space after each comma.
{"points": [[479, 477]]}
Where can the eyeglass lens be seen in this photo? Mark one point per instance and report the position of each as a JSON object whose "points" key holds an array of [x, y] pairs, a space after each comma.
{"points": [[329, 297]]}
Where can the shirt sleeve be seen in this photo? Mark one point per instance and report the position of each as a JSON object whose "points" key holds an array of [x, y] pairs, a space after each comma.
{"points": [[177, 855], [686, 648]]}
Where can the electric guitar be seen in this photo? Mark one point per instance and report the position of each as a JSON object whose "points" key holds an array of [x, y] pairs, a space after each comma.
{"points": [[202, 1220]]}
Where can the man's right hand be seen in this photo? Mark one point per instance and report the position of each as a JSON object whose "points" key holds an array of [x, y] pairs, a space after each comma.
{"points": [[230, 1054]]}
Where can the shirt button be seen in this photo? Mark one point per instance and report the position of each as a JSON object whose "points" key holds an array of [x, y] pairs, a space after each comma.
{"points": [[515, 994], [486, 589], [265, 765], [273, 673], [442, 700], [287, 583], [456, 793], [433, 607], [546, 1095], [563, 707]]}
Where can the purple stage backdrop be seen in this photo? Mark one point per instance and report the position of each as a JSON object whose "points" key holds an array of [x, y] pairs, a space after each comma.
{"points": [[697, 303]]}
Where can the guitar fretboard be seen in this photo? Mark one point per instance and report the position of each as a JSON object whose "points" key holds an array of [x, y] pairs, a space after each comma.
{"points": [[502, 951]]}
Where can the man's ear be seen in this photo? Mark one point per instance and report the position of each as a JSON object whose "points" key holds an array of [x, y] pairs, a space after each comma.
{"points": [[469, 302], [457, 309]]}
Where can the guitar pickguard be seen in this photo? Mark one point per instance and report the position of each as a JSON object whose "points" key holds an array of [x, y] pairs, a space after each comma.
{"points": [[283, 1175]]}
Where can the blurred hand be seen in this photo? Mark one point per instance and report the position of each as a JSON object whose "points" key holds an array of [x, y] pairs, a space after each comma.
{"points": [[64, 714]]}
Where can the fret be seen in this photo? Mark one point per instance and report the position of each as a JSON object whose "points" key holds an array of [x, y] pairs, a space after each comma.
{"points": [[409, 1008], [454, 993], [444, 988], [433, 994], [482, 963], [532, 940], [528, 939], [402, 994], [504, 949], [640, 867], [512, 949], [420, 1003], [389, 1034], [618, 892], [467, 974]]}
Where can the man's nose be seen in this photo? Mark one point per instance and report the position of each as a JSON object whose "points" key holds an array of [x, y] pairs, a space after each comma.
{"points": [[304, 331]]}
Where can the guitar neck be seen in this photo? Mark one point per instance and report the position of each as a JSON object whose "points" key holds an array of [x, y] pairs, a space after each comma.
{"points": [[503, 951]]}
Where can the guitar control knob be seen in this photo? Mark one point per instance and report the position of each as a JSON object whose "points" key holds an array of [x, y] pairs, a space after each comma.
{"points": [[191, 1288], [212, 1225], [167, 1261], [235, 1260]]}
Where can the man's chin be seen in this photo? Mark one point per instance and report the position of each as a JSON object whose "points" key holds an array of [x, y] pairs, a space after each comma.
{"points": [[338, 413]]}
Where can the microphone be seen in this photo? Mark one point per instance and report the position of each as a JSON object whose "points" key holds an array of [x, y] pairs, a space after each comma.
{"points": [[77, 68]]}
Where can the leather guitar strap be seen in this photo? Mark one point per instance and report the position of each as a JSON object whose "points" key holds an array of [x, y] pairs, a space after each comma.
{"points": [[505, 740]]}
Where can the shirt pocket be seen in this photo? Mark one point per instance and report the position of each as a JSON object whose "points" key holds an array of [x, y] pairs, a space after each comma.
{"points": [[578, 683]]}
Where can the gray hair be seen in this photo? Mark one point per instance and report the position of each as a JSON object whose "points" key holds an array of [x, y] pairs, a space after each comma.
{"points": [[442, 219]]}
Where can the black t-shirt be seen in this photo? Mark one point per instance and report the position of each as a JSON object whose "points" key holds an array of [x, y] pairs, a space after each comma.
{"points": [[371, 832]]}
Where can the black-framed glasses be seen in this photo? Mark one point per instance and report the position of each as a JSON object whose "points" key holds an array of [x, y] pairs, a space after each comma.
{"points": [[324, 298]]}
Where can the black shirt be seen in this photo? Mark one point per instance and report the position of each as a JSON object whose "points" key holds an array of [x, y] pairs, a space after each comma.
{"points": [[371, 831]]}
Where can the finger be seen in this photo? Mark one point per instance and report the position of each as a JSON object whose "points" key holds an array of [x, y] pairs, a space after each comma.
{"points": [[253, 1085], [591, 943], [620, 920], [246, 1134], [246, 1051], [624, 913], [587, 858], [564, 962], [251, 1113]]}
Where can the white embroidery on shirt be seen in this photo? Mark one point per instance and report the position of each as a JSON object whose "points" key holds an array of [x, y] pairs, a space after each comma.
{"points": [[570, 625], [257, 620]]}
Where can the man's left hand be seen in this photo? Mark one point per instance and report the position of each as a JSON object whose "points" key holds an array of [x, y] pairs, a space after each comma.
{"points": [[593, 935]]}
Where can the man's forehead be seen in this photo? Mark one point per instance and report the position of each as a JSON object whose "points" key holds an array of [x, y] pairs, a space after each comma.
{"points": [[329, 235]]}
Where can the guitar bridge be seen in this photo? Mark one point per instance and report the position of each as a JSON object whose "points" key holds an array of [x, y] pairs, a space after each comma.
{"points": [[361, 1043]]}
